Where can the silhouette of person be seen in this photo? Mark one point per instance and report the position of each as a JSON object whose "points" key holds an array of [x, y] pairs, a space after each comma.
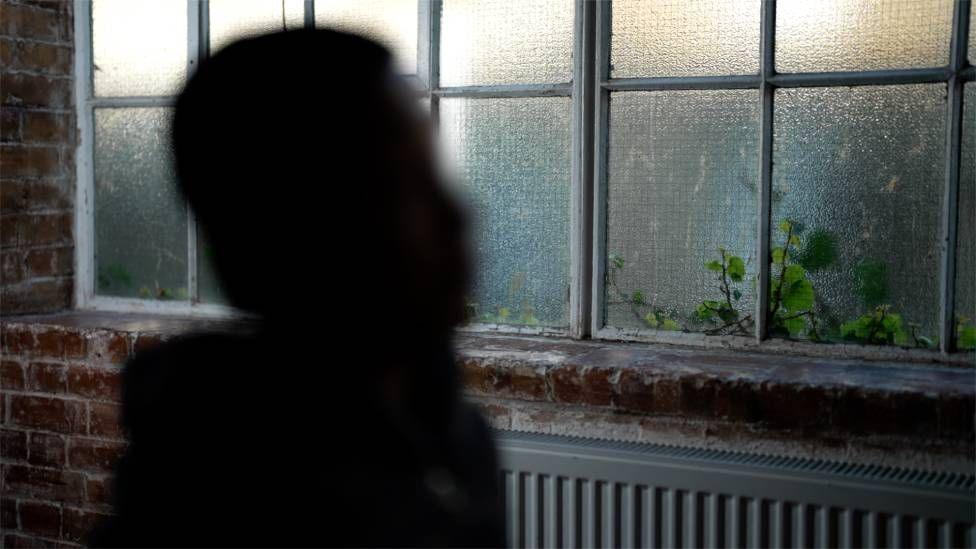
{"points": [[334, 418]]}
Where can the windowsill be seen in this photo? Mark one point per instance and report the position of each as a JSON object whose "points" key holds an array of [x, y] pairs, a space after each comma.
{"points": [[801, 396]]}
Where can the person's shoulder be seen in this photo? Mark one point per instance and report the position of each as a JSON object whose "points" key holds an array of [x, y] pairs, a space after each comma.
{"points": [[179, 371]]}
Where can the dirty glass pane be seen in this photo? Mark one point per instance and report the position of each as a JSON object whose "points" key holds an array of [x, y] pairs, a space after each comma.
{"points": [[390, 22], [234, 19], [138, 47], [682, 173], [140, 219], [513, 159], [857, 183], [503, 42], [849, 35], [684, 38], [208, 283], [966, 243]]}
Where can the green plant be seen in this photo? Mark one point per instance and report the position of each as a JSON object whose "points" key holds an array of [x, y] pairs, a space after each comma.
{"points": [[879, 327], [647, 313], [724, 312], [523, 313], [791, 295], [114, 276], [965, 334]]}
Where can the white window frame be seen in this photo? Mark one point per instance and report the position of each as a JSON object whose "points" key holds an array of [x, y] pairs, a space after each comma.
{"points": [[589, 91]]}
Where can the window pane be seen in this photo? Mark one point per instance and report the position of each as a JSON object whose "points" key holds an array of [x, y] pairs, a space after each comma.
{"points": [[234, 19], [682, 179], [858, 175], [140, 219], [503, 42], [848, 35], [208, 283], [966, 242], [513, 157], [684, 38], [139, 46], [391, 22]]}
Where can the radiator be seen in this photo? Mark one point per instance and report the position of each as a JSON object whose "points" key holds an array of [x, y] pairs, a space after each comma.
{"points": [[575, 492]]}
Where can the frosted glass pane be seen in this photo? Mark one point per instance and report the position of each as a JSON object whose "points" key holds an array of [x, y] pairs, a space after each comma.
{"points": [[208, 283], [139, 46], [503, 42], [513, 159], [684, 38], [140, 219], [966, 243], [390, 22], [234, 19], [861, 170], [848, 35], [682, 179]]}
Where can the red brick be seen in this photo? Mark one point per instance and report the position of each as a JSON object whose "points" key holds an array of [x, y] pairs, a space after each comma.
{"points": [[35, 90], [30, 161], [99, 490], [105, 420], [50, 414], [38, 296], [93, 454], [592, 386], [13, 445], [77, 523], [35, 57], [50, 194], [145, 342], [32, 22], [40, 518], [633, 392], [47, 450], [48, 229], [9, 230], [13, 266], [10, 120], [17, 339], [43, 483], [8, 514], [667, 396], [50, 262], [45, 377], [48, 342], [75, 345], [475, 377], [12, 376], [100, 383], [108, 347], [528, 383]]}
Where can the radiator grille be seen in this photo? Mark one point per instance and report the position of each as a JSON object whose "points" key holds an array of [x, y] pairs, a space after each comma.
{"points": [[567, 492]]}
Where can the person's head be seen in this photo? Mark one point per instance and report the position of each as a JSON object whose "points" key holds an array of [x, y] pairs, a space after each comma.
{"points": [[311, 172]]}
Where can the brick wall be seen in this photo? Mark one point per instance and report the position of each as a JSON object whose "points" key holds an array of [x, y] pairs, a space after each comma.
{"points": [[59, 424], [37, 147]]}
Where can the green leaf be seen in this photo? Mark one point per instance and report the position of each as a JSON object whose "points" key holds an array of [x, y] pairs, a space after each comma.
{"points": [[820, 250], [637, 298], [727, 314], [703, 312], [670, 325], [736, 295], [616, 261], [778, 256], [792, 274], [785, 225], [651, 320], [966, 338], [504, 313], [713, 265], [799, 297], [925, 342], [892, 323], [795, 325], [870, 278], [737, 268], [794, 240]]}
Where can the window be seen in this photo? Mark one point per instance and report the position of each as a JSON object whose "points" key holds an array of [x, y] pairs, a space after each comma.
{"points": [[744, 171]]}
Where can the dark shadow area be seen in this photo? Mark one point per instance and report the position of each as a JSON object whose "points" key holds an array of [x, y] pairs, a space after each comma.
{"points": [[338, 420]]}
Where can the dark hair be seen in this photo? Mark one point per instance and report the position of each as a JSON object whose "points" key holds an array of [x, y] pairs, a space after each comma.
{"points": [[312, 174]]}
